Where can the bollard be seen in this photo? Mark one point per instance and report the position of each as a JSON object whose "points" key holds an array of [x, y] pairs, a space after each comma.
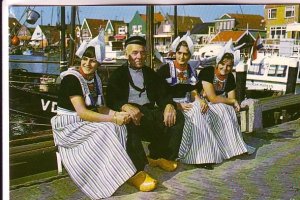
{"points": [[253, 116]]}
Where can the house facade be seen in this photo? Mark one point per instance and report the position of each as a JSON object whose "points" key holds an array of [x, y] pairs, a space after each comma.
{"points": [[116, 30], [278, 18], [202, 33], [44, 35], [24, 35], [90, 28], [230, 21], [184, 23], [137, 26], [165, 32]]}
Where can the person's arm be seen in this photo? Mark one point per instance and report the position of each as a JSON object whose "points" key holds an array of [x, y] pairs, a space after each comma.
{"points": [[212, 97], [119, 118], [236, 105], [105, 110], [203, 104]]}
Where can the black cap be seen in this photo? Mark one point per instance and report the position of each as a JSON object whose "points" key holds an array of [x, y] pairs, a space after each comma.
{"points": [[135, 40]]}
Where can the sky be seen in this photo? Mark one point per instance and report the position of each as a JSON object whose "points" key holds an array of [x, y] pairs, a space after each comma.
{"points": [[208, 13]]}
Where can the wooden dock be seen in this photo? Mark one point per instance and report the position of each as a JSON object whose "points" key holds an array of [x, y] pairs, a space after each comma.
{"points": [[272, 172]]}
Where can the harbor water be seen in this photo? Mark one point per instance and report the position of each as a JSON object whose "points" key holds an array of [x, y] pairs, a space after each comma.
{"points": [[45, 68]]}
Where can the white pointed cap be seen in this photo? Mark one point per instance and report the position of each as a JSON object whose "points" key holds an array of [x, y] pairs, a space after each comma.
{"points": [[97, 42]]}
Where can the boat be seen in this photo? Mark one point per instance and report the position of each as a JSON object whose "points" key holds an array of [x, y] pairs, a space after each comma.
{"points": [[269, 75], [275, 69], [28, 52]]}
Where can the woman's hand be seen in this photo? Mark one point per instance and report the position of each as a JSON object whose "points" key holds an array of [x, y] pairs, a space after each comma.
{"points": [[203, 106], [169, 115], [121, 118], [236, 105], [184, 106], [134, 113]]}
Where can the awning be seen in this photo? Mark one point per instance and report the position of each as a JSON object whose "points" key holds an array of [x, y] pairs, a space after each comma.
{"points": [[120, 37], [293, 27]]}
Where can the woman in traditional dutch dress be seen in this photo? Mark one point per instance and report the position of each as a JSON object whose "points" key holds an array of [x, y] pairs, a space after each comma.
{"points": [[207, 139], [90, 137]]}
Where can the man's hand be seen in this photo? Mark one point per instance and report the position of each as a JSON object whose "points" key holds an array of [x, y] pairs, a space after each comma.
{"points": [[121, 118], [203, 106], [169, 115], [134, 112]]}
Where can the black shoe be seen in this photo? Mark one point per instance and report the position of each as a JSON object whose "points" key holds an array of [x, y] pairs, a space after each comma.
{"points": [[208, 166]]}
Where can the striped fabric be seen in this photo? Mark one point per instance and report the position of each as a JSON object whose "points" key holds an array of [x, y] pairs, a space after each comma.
{"points": [[93, 154], [210, 137]]}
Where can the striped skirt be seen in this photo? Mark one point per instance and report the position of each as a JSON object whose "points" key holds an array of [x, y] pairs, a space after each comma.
{"points": [[211, 137], [94, 154]]}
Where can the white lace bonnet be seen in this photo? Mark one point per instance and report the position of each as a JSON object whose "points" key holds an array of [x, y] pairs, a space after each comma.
{"points": [[186, 38], [228, 48]]}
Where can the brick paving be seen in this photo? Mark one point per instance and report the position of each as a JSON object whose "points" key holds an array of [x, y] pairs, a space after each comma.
{"points": [[272, 172]]}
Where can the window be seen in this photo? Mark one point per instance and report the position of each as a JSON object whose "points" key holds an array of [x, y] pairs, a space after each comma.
{"points": [[140, 28], [256, 69], [85, 33], [122, 30], [228, 25], [211, 29], [278, 32], [272, 13], [277, 70], [289, 11], [134, 28]]}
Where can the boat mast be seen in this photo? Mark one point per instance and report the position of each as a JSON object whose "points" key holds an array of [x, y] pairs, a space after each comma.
{"points": [[42, 30], [149, 35], [72, 40], [63, 60], [175, 22]]}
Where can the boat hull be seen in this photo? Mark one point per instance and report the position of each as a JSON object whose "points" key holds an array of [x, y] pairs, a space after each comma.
{"points": [[260, 88], [32, 103]]}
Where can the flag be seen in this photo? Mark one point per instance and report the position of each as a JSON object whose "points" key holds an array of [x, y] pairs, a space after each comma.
{"points": [[256, 46]]}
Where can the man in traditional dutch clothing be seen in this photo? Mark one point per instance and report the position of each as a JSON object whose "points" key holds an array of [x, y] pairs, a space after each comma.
{"points": [[136, 89]]}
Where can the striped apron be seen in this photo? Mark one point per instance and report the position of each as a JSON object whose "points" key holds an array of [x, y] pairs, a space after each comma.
{"points": [[211, 137], [94, 154]]}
